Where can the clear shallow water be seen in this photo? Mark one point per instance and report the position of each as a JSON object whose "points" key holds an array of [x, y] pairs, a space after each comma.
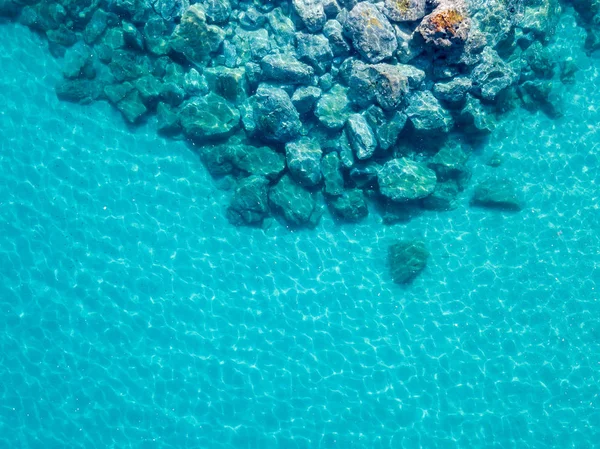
{"points": [[133, 315]]}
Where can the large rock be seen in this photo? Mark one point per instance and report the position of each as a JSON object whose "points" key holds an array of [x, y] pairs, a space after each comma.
{"points": [[447, 27], [170, 9], [404, 10], [334, 32], [444, 197], [390, 84], [217, 11], [249, 205], [361, 136], [285, 68], [314, 49], [333, 108], [406, 260], [450, 163], [263, 161], [209, 117], [194, 37], [496, 193], [305, 98], [303, 158], [331, 167], [296, 204], [454, 92], [387, 128], [492, 76], [372, 34], [311, 12], [349, 206], [275, 117], [427, 114], [404, 180]]}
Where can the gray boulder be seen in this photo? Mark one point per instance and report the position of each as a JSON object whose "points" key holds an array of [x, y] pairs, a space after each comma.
{"points": [[334, 32], [496, 193], [427, 114], [209, 117], [390, 85], [296, 204], [132, 106], [250, 204], [475, 115], [275, 117], [314, 49], [407, 259], [333, 108], [305, 98], [231, 84], [311, 12], [285, 68], [303, 157], [349, 206], [253, 160], [372, 34], [404, 180], [331, 168], [454, 91], [360, 136], [492, 76], [194, 37], [450, 163], [404, 10], [386, 128]]}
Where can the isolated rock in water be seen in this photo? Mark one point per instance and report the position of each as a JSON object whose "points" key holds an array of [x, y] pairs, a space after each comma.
{"points": [[333, 108], [285, 68], [276, 118], [296, 204], [303, 158], [406, 260], [427, 114], [350, 205], [372, 34], [497, 193], [405, 10], [331, 168], [249, 205], [447, 27], [311, 12], [194, 38], [403, 180], [209, 117], [361, 136]]}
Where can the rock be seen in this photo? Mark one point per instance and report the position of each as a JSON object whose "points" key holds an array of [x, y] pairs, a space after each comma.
{"points": [[315, 50], [407, 259], [231, 84], [217, 11], [492, 76], [305, 98], [538, 61], [496, 193], [450, 163], [475, 115], [62, 36], [349, 206], [156, 36], [263, 161], [364, 174], [311, 12], [404, 10], [170, 9], [195, 84], [303, 157], [127, 66], [404, 180], [216, 159], [333, 108], [345, 150], [209, 117], [447, 27], [360, 136], [568, 69], [150, 89], [194, 38], [394, 212], [249, 205], [116, 92], [167, 120], [133, 38], [79, 63], [390, 85], [334, 32], [443, 197], [387, 129], [331, 168], [454, 91], [274, 115], [372, 34], [427, 114], [79, 90], [285, 68], [539, 94], [131, 106], [296, 204], [250, 45]]}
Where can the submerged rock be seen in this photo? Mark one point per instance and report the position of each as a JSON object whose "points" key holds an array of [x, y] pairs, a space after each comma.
{"points": [[406, 260], [296, 204], [331, 168], [285, 68], [275, 117], [194, 37], [405, 10], [404, 180], [447, 27], [333, 108], [311, 12], [492, 75], [361, 136], [349, 206], [303, 158], [496, 193], [427, 114], [372, 34], [209, 117], [249, 205]]}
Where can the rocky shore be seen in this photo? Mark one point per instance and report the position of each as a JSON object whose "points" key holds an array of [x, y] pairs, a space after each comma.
{"points": [[297, 104]]}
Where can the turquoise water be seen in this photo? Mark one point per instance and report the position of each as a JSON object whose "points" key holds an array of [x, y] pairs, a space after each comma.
{"points": [[134, 316]]}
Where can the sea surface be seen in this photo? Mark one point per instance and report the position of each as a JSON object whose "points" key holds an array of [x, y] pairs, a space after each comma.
{"points": [[133, 315]]}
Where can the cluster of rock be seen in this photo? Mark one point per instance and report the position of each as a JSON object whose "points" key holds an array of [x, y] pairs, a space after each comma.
{"points": [[350, 98]]}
